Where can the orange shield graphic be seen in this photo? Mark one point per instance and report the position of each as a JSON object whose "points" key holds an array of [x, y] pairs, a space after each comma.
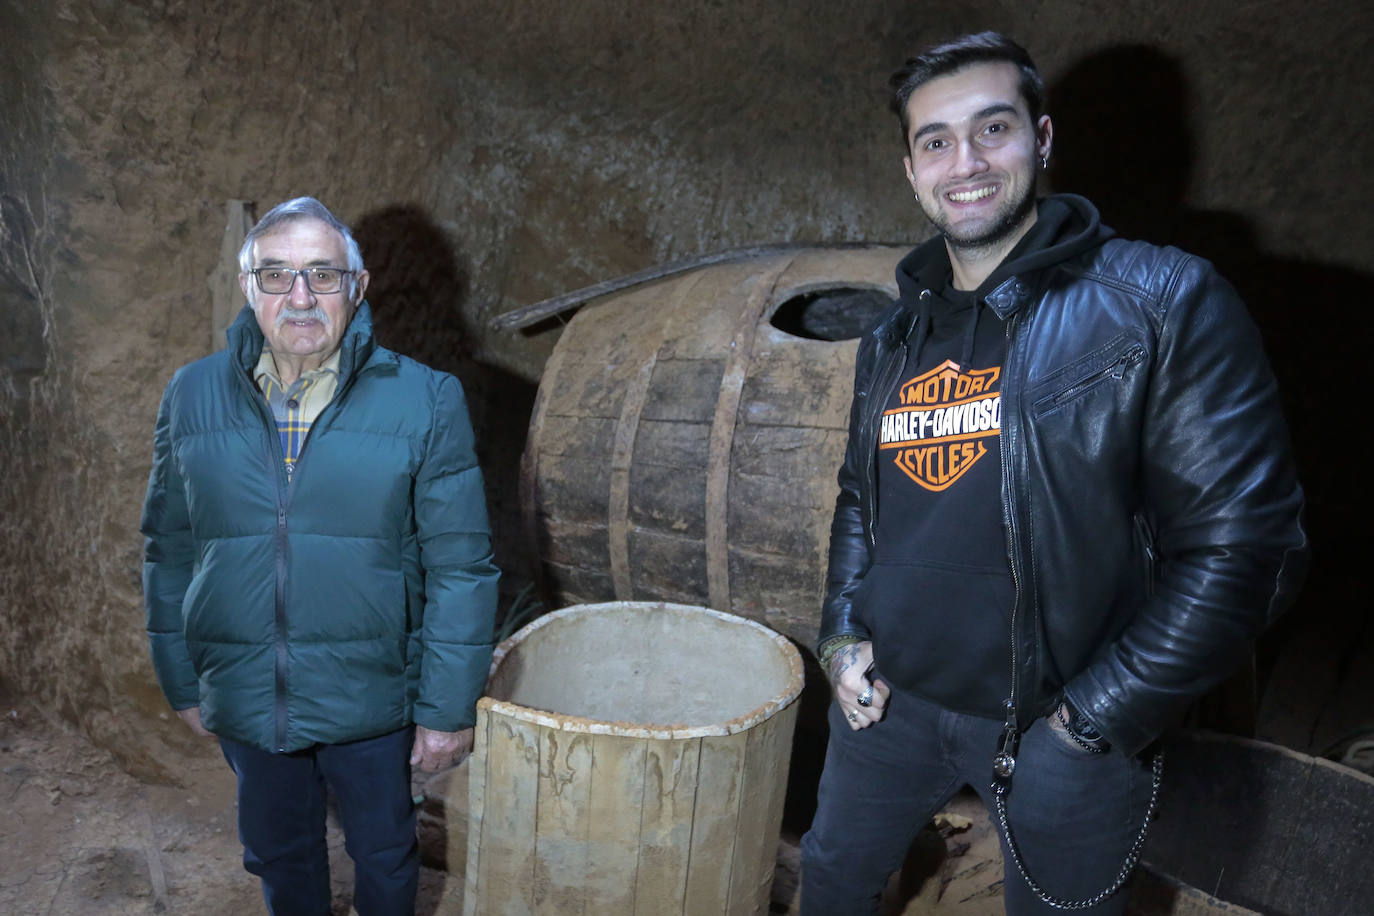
{"points": [[939, 430]]}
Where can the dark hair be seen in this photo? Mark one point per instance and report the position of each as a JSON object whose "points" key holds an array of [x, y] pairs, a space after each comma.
{"points": [[944, 59]]}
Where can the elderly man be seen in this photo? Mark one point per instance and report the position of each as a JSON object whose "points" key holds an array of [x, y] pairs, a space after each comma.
{"points": [[1066, 509], [318, 576]]}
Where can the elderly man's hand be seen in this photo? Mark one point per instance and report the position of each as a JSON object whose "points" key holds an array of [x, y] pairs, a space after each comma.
{"points": [[435, 750], [862, 701], [191, 716]]}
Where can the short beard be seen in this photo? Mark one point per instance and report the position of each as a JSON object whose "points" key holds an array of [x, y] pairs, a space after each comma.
{"points": [[994, 237]]}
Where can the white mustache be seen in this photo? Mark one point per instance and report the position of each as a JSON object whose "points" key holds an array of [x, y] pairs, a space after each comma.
{"points": [[314, 313]]}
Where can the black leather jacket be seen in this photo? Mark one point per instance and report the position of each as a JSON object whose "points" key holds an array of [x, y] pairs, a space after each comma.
{"points": [[1151, 504]]}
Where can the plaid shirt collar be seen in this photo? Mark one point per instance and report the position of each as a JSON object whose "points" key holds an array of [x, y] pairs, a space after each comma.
{"points": [[296, 407]]}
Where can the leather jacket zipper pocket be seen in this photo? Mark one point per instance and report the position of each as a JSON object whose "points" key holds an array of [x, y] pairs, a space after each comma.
{"points": [[1115, 370]]}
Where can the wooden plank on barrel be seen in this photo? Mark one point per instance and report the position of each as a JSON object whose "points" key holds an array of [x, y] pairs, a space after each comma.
{"points": [[531, 469], [779, 592], [562, 823], [613, 810], [798, 453], [668, 499], [670, 567], [665, 834], [783, 513], [673, 444], [618, 503], [575, 489], [615, 341], [684, 390], [578, 584], [702, 329], [668, 481], [505, 845], [586, 438], [570, 397], [765, 781], [775, 515], [573, 543], [527, 315], [627, 433], [723, 422], [798, 382], [715, 821]]}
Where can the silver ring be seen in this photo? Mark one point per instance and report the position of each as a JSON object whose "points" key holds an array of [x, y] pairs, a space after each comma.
{"points": [[853, 717], [866, 698]]}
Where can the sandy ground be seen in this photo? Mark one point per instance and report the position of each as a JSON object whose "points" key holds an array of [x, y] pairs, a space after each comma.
{"points": [[80, 837]]}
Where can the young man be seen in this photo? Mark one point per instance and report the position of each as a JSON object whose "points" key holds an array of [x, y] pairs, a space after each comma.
{"points": [[318, 574], [1067, 507]]}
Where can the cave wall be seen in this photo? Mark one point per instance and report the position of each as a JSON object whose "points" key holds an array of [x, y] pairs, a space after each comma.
{"points": [[492, 154]]}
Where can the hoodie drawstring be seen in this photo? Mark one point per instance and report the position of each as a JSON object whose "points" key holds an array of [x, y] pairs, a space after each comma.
{"points": [[970, 335], [922, 326]]}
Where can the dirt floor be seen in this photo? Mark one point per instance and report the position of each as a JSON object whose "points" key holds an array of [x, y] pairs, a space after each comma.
{"points": [[80, 837]]}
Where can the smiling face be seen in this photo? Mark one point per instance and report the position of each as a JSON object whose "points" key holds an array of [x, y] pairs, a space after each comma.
{"points": [[303, 329], [973, 156]]}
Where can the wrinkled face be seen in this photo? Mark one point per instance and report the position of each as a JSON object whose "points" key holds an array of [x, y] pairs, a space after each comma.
{"points": [[974, 153], [301, 324]]}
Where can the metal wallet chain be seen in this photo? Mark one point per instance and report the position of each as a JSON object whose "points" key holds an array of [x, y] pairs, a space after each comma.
{"points": [[1003, 765]]}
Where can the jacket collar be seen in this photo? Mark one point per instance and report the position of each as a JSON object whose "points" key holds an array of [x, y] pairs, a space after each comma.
{"points": [[1068, 226], [1008, 296]]}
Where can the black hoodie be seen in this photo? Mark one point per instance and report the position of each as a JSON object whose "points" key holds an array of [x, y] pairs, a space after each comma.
{"points": [[938, 594]]}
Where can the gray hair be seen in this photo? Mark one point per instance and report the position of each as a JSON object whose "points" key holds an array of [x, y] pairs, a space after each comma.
{"points": [[298, 208]]}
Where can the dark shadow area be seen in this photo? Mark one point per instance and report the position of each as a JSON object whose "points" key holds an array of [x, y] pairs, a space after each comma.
{"points": [[809, 739], [1123, 140], [419, 293], [1123, 132], [841, 313]]}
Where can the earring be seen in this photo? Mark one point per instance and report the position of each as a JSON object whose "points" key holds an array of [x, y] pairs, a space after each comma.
{"points": [[1044, 162]]}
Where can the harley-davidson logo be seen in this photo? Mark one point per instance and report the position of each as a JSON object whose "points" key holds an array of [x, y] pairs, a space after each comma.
{"points": [[937, 433]]}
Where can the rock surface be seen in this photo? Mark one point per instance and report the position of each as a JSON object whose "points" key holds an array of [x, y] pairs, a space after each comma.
{"points": [[495, 153]]}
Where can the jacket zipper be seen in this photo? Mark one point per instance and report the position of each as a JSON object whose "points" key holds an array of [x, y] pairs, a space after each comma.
{"points": [[1116, 370], [284, 495], [884, 390], [285, 488], [277, 459], [1004, 761]]}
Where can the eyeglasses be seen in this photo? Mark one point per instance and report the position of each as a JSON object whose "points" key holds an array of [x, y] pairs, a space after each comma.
{"points": [[318, 280]]}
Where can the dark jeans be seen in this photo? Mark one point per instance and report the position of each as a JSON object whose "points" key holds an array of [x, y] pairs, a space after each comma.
{"points": [[1074, 814], [282, 823]]}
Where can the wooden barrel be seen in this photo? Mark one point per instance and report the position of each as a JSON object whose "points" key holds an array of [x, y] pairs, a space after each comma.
{"points": [[1265, 827], [684, 445], [631, 758]]}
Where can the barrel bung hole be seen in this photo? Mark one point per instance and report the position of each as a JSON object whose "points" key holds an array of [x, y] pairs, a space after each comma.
{"points": [[836, 313]]}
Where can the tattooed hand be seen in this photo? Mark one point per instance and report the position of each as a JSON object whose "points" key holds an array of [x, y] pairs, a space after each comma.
{"points": [[849, 670]]}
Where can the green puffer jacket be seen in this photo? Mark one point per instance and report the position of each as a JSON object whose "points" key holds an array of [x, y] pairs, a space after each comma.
{"points": [[344, 604]]}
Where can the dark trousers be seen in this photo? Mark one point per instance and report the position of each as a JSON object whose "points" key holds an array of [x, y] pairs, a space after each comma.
{"points": [[1074, 814], [282, 823]]}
